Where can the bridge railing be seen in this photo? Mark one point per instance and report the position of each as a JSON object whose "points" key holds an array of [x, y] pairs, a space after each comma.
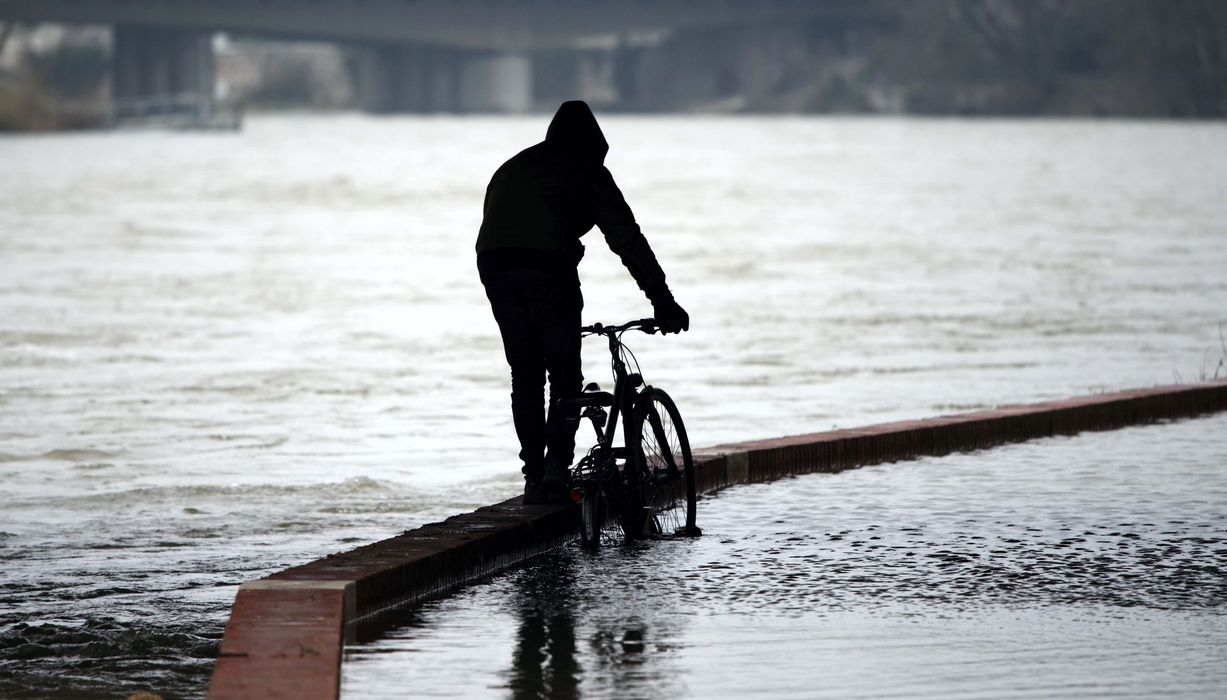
{"points": [[187, 110]]}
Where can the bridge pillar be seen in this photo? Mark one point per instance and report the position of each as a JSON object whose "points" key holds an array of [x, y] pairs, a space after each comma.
{"points": [[162, 64], [424, 79], [496, 82], [406, 78]]}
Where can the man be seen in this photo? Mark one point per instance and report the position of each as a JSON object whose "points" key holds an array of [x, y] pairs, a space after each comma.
{"points": [[537, 207]]}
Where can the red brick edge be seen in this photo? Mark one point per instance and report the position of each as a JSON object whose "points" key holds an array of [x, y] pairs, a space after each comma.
{"points": [[286, 632]]}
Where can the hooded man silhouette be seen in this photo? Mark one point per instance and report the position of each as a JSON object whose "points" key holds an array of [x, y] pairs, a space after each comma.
{"points": [[538, 205]]}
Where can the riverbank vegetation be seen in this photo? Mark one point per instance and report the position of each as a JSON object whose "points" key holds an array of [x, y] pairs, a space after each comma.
{"points": [[1162, 58], [56, 90], [1125, 58]]}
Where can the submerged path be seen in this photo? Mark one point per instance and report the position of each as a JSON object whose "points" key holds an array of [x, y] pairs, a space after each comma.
{"points": [[287, 631]]}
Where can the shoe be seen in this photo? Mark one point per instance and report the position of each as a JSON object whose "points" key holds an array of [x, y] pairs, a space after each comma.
{"points": [[557, 475], [534, 494], [558, 494], [557, 482]]}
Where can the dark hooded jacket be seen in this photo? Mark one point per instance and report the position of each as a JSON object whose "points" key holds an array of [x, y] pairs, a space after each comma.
{"points": [[541, 201]]}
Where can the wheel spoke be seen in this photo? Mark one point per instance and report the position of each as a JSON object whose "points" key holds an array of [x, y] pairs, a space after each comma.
{"points": [[667, 478]]}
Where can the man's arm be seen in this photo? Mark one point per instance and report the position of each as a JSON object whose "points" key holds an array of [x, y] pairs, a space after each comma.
{"points": [[622, 233]]}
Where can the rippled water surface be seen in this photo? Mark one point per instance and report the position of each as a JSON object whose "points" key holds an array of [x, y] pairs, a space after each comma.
{"points": [[222, 354], [1093, 565]]}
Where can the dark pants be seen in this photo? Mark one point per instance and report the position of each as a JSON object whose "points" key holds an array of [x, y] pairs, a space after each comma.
{"points": [[538, 315]]}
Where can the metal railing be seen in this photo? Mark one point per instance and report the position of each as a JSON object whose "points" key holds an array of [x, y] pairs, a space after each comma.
{"points": [[185, 110]]}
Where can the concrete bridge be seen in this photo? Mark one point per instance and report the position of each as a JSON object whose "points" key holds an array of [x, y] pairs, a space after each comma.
{"points": [[418, 55]]}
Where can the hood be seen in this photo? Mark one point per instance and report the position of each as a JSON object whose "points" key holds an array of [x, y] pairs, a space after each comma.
{"points": [[575, 131]]}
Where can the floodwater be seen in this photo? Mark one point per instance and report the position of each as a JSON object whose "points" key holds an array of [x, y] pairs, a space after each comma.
{"points": [[223, 354], [1068, 567]]}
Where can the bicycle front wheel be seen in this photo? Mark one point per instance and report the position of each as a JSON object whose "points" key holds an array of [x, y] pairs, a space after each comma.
{"points": [[666, 467]]}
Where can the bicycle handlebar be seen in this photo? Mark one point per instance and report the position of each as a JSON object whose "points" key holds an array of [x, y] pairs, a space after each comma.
{"points": [[647, 325]]}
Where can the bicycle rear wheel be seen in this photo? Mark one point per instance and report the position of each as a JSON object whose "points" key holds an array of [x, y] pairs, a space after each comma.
{"points": [[609, 514], [666, 466], [592, 517]]}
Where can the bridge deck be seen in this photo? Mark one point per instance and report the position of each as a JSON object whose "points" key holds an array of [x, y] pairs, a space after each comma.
{"points": [[472, 24]]}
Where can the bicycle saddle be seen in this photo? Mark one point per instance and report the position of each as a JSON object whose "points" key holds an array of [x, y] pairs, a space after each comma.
{"points": [[592, 398]]}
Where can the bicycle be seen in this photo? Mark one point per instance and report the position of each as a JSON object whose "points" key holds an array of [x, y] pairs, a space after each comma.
{"points": [[646, 487]]}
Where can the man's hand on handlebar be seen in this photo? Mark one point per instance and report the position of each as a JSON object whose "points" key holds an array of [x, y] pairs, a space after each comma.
{"points": [[670, 316]]}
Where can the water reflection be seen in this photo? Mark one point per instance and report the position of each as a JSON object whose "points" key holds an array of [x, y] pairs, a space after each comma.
{"points": [[560, 626], [582, 633], [622, 630], [544, 664]]}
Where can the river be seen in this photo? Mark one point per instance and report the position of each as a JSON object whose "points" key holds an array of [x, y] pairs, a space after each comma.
{"points": [[225, 353]]}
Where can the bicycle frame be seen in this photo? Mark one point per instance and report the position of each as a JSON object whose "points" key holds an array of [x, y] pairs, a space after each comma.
{"points": [[625, 384], [598, 473]]}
